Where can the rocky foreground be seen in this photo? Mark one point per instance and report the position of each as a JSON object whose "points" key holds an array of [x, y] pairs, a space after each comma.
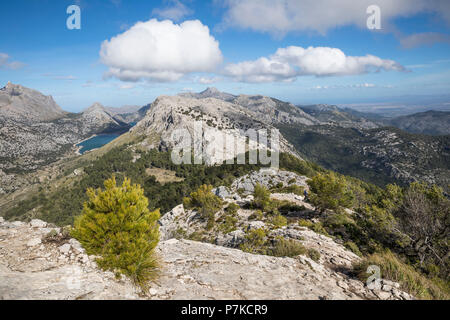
{"points": [[38, 262]]}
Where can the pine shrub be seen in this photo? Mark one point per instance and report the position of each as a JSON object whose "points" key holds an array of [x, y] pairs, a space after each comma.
{"points": [[206, 202], [117, 225]]}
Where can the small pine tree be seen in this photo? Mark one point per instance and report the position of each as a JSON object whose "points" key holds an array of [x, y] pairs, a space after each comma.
{"points": [[330, 191], [261, 197], [206, 202], [117, 225]]}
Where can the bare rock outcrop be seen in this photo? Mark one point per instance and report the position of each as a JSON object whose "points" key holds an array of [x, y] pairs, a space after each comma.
{"points": [[33, 267]]}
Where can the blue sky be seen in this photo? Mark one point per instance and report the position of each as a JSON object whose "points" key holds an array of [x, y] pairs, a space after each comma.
{"points": [[237, 53]]}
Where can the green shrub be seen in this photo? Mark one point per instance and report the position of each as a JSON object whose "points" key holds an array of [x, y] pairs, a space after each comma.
{"points": [[313, 254], [228, 221], [205, 202], [232, 208], [341, 225], [286, 207], [261, 198], [197, 236], [411, 281], [353, 248], [316, 227], [330, 191], [117, 225], [278, 221], [293, 188], [255, 241], [287, 248], [257, 215]]}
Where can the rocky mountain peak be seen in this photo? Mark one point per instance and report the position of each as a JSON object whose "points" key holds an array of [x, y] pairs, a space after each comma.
{"points": [[210, 90], [97, 106], [19, 102], [219, 120]]}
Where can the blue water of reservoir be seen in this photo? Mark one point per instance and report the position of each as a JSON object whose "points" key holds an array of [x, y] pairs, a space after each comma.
{"points": [[97, 142]]}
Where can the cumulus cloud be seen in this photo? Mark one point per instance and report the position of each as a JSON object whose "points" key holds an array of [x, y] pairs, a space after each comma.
{"points": [[176, 11], [289, 63], [281, 16], [424, 39], [161, 51], [5, 62]]}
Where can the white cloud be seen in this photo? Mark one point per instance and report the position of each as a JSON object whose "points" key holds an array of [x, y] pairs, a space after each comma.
{"points": [[126, 86], [208, 80], [59, 77], [281, 16], [176, 11], [425, 38], [7, 64], [351, 86], [289, 63], [161, 51]]}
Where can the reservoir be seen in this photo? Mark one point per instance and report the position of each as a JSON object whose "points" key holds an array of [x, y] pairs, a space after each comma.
{"points": [[97, 142]]}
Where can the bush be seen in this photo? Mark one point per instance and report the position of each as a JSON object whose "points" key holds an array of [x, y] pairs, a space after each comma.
{"points": [[353, 248], [117, 225], [330, 191], [232, 208], [293, 188], [410, 280], [316, 227], [205, 202], [424, 214], [314, 254], [278, 221], [255, 241], [287, 248], [261, 197], [257, 215], [341, 225]]}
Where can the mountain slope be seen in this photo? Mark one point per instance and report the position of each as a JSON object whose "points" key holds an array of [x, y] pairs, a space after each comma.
{"points": [[35, 131], [20, 103], [221, 121], [328, 114], [381, 156], [97, 118], [429, 122]]}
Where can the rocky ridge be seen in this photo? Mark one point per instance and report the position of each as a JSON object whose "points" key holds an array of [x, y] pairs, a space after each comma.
{"points": [[33, 267], [169, 117]]}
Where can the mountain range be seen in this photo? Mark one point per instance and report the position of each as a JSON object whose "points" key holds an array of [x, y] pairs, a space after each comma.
{"points": [[262, 225], [36, 132]]}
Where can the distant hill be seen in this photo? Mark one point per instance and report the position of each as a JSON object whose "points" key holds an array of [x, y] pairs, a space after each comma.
{"points": [[429, 122], [329, 114]]}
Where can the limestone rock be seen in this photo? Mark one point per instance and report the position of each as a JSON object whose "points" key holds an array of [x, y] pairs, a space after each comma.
{"points": [[36, 223], [34, 242], [222, 192], [267, 177], [190, 270], [65, 248]]}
